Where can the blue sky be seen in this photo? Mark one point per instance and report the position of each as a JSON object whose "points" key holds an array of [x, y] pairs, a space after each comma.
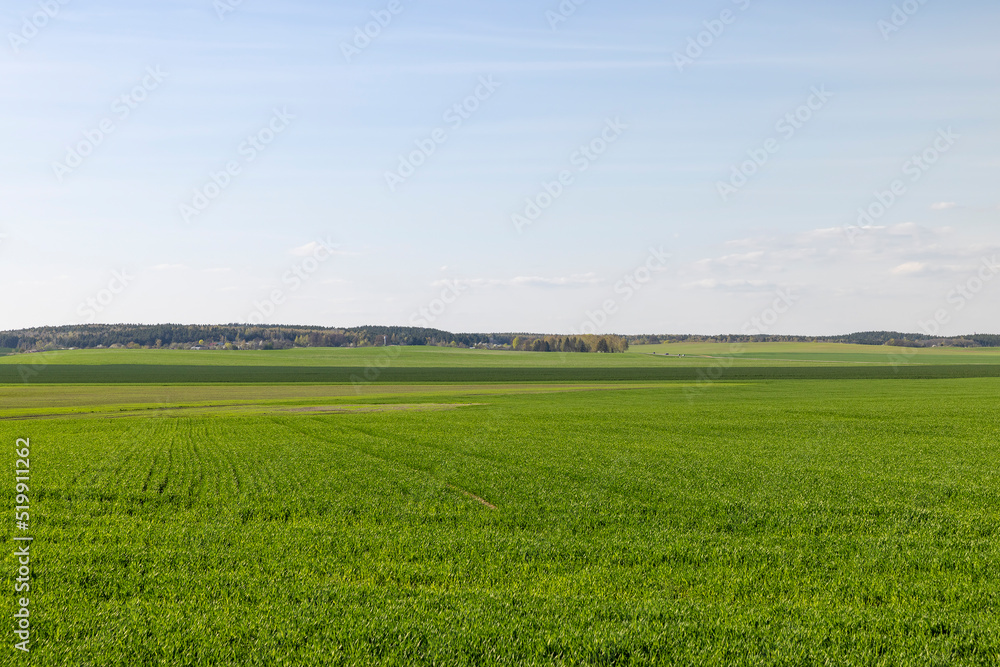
{"points": [[819, 108]]}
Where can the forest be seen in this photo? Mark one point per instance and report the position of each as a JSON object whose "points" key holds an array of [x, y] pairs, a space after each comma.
{"points": [[273, 337]]}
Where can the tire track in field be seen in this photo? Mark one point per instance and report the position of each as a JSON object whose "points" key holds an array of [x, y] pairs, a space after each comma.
{"points": [[384, 459], [472, 495], [170, 463], [585, 482], [499, 463], [224, 479], [196, 464], [149, 473], [219, 456], [132, 461], [223, 457]]}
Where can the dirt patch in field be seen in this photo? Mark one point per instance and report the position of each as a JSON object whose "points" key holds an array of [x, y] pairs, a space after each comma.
{"points": [[242, 409], [473, 496], [396, 407]]}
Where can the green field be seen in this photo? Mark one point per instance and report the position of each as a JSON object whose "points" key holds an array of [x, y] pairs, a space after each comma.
{"points": [[771, 519], [394, 365], [639, 356], [832, 353]]}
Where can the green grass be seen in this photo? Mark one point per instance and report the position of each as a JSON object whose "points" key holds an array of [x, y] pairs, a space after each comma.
{"points": [[360, 377], [407, 357], [828, 353], [420, 365], [771, 522], [642, 356]]}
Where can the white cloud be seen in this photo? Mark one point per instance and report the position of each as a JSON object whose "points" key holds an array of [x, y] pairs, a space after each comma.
{"points": [[827, 259], [736, 259], [732, 285], [578, 280], [828, 233], [943, 206], [909, 269], [311, 248]]}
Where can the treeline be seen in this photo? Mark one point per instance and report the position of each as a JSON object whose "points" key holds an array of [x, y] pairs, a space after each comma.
{"points": [[897, 339], [266, 337], [893, 338], [656, 339], [587, 343], [236, 336]]}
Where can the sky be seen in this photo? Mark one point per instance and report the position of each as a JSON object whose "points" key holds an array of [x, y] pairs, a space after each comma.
{"points": [[734, 166]]}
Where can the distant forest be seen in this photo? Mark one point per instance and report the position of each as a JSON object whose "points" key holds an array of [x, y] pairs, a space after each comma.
{"points": [[267, 337], [893, 338], [262, 337]]}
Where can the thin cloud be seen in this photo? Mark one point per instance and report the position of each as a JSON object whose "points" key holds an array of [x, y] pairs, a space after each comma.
{"points": [[910, 269], [314, 248], [738, 285], [578, 280]]}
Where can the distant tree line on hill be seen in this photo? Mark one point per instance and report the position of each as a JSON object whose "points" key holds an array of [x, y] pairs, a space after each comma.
{"points": [[893, 338], [236, 336], [268, 337], [587, 343]]}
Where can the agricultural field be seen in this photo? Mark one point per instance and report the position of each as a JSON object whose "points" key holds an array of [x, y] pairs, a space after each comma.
{"points": [[394, 365], [765, 520], [638, 356], [832, 353]]}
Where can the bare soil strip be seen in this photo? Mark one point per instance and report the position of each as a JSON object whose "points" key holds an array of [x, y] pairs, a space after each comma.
{"points": [[385, 407], [203, 410], [473, 496]]}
